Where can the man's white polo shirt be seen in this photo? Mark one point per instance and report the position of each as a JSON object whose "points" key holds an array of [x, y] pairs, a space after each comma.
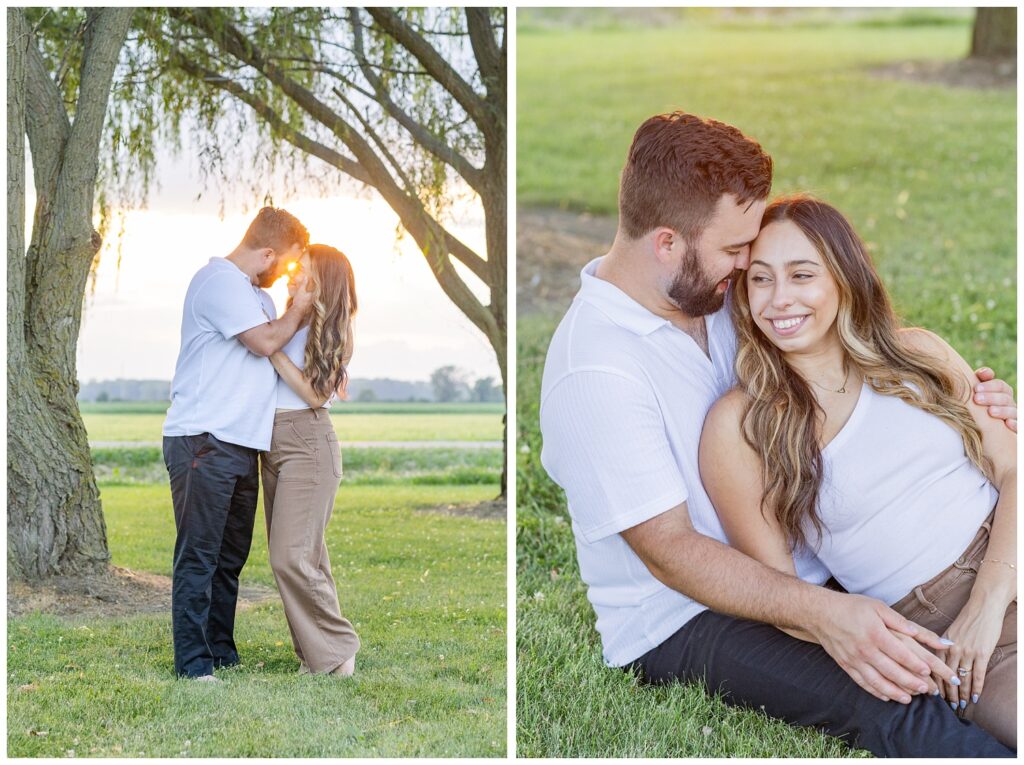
{"points": [[623, 402], [219, 386]]}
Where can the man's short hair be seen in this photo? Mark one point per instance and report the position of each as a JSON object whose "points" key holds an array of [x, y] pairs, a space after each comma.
{"points": [[679, 166], [275, 228]]}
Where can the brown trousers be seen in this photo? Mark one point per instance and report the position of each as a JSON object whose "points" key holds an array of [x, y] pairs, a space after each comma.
{"points": [[301, 473], [936, 603]]}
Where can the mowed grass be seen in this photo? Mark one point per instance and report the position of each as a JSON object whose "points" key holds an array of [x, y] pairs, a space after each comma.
{"points": [[925, 172], [425, 590], [352, 422]]}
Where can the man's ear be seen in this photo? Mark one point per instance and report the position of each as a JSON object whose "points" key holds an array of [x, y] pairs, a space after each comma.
{"points": [[267, 256], [662, 241]]}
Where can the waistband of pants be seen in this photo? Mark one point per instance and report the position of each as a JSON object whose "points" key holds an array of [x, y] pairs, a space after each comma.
{"points": [[968, 558], [283, 416]]}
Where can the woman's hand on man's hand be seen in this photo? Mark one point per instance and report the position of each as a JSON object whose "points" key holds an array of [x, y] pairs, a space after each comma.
{"points": [[975, 633]]}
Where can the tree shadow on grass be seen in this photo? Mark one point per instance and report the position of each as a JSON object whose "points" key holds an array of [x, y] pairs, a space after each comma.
{"points": [[114, 592], [970, 73], [491, 509]]}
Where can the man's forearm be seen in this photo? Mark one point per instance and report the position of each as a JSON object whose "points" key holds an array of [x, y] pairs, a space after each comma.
{"points": [[282, 330], [732, 583], [861, 634]]}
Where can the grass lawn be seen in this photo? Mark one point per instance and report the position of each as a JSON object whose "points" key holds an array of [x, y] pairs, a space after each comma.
{"points": [[350, 426], [925, 172], [426, 592]]}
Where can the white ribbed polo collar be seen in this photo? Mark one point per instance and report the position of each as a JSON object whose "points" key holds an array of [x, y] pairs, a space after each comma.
{"points": [[619, 307], [224, 262]]}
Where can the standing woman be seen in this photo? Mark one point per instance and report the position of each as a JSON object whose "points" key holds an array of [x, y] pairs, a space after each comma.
{"points": [[302, 470]]}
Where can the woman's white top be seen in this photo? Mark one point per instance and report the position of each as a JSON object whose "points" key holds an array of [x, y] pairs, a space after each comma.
{"points": [[900, 500], [296, 351]]}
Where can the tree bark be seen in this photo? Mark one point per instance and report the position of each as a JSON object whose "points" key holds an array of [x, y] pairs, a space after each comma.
{"points": [[995, 33], [55, 521]]}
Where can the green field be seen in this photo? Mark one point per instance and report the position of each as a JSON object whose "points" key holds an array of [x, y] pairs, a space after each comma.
{"points": [[362, 466], [925, 172], [142, 421], [350, 407]]}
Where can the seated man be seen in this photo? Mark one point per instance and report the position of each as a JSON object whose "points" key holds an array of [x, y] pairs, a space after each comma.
{"points": [[631, 372]]}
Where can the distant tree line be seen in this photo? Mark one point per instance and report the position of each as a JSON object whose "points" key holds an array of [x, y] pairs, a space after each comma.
{"points": [[452, 384], [448, 384], [125, 390]]}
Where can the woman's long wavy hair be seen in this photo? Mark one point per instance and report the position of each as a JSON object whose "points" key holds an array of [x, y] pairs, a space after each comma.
{"points": [[329, 344], [782, 419]]}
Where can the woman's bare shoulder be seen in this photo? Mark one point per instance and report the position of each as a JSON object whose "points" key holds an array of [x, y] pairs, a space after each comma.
{"points": [[731, 405], [924, 341], [723, 422]]}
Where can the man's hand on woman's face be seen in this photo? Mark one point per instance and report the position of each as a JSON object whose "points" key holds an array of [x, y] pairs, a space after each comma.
{"points": [[997, 396], [302, 300]]}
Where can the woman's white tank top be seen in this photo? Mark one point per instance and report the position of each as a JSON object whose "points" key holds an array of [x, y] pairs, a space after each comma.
{"points": [[899, 501], [296, 351]]}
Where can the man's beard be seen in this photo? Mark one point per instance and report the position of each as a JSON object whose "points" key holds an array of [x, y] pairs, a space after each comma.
{"points": [[692, 290], [268, 277]]}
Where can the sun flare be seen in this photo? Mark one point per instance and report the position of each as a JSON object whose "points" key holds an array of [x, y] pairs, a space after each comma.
{"points": [[406, 327]]}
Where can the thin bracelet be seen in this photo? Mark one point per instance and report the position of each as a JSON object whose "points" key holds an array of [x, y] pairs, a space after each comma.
{"points": [[996, 560]]}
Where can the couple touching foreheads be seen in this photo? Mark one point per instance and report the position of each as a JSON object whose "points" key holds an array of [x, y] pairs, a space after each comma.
{"points": [[774, 487], [250, 398]]}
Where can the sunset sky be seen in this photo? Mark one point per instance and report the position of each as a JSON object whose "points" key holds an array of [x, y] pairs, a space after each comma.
{"points": [[406, 326]]}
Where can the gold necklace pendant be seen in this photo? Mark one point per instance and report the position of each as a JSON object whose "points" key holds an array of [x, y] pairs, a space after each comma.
{"points": [[842, 388]]}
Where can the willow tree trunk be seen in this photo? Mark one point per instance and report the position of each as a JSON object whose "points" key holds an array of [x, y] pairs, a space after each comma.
{"points": [[495, 198], [995, 33], [54, 519]]}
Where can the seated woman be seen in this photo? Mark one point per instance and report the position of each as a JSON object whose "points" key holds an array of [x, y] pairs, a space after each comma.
{"points": [[857, 440]]}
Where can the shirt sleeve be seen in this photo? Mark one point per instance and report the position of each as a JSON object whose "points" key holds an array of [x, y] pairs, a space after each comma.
{"points": [[605, 444], [229, 305]]}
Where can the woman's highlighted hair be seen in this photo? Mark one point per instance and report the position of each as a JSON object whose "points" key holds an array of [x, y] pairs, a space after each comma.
{"points": [[329, 345], [781, 422]]}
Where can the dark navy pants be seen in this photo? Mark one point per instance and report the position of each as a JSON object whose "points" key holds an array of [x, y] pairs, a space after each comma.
{"points": [[758, 666], [214, 486]]}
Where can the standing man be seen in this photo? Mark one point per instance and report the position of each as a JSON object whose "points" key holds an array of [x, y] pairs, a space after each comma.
{"points": [[644, 351], [221, 415]]}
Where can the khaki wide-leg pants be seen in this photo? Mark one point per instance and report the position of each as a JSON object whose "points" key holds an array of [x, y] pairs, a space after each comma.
{"points": [[301, 473]]}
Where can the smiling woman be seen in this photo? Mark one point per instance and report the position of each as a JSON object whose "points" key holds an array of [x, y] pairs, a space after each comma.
{"points": [[866, 452], [789, 288]]}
